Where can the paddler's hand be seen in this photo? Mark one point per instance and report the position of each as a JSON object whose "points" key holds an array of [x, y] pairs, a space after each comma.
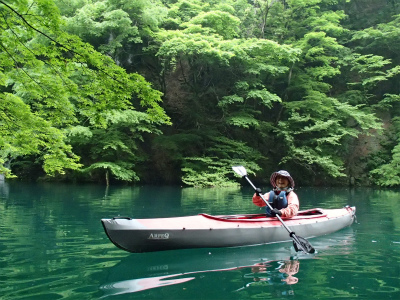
{"points": [[276, 212], [258, 191]]}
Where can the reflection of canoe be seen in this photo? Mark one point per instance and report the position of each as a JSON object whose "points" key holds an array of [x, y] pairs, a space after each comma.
{"points": [[206, 231], [138, 285], [140, 272]]}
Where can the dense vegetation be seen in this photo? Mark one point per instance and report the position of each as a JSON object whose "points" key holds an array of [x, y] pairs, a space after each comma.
{"points": [[166, 91]]}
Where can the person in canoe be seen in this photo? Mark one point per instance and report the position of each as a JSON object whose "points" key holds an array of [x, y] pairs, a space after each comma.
{"points": [[283, 200]]}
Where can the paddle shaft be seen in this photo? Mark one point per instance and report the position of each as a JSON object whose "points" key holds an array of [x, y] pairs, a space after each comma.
{"points": [[291, 233]]}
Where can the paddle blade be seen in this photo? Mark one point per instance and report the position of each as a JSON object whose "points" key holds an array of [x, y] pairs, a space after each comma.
{"points": [[301, 244], [240, 170]]}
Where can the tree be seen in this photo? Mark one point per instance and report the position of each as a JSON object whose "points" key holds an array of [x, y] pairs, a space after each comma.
{"points": [[51, 81], [275, 97], [382, 61], [313, 120], [293, 84]]}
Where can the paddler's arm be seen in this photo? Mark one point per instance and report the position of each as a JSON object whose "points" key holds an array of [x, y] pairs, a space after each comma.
{"points": [[293, 206], [257, 200]]}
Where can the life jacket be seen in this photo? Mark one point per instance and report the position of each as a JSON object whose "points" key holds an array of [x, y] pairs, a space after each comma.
{"points": [[276, 201]]}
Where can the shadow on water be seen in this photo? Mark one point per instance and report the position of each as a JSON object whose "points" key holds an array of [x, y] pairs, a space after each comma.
{"points": [[244, 267]]}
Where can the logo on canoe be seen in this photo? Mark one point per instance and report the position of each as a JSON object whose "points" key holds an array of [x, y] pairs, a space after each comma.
{"points": [[158, 236]]}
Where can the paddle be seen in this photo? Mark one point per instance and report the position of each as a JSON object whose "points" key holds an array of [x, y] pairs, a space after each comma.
{"points": [[299, 243]]}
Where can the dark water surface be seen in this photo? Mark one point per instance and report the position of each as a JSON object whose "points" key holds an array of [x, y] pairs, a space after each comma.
{"points": [[52, 246]]}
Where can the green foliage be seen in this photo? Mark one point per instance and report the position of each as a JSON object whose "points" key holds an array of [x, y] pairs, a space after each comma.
{"points": [[215, 167], [243, 120], [51, 80], [177, 43], [220, 22], [115, 148], [384, 36], [207, 172], [111, 25], [389, 101], [370, 69], [388, 174], [259, 83], [317, 125], [97, 20], [121, 170], [386, 171], [184, 10], [308, 123], [25, 133]]}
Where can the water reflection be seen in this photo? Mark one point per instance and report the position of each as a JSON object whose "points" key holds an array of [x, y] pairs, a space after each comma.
{"points": [[290, 268], [267, 272], [244, 267], [260, 272], [4, 189], [141, 284]]}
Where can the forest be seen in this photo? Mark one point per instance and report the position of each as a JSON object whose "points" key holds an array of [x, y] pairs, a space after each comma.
{"points": [[178, 91]]}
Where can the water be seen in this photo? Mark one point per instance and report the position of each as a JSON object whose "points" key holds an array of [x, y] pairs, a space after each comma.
{"points": [[52, 246]]}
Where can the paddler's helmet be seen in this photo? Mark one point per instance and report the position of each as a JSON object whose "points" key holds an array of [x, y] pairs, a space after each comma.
{"points": [[282, 173]]}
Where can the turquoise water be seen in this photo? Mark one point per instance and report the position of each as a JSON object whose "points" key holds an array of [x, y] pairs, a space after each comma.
{"points": [[52, 246]]}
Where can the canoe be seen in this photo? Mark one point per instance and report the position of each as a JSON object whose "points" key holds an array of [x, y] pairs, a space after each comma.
{"points": [[208, 231]]}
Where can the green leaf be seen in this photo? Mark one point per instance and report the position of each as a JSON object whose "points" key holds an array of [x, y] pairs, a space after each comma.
{"points": [[120, 170]]}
